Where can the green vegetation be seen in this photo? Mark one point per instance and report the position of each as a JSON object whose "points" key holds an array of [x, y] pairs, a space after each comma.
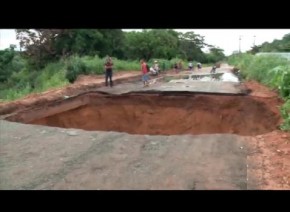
{"points": [[285, 114], [29, 81], [55, 57], [49, 45], [282, 45], [272, 71], [23, 80]]}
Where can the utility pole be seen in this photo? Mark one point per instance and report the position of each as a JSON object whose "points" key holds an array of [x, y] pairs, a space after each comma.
{"points": [[19, 43], [240, 38]]}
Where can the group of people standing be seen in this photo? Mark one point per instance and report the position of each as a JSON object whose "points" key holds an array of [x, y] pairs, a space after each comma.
{"points": [[191, 67], [144, 69], [154, 70], [179, 66]]}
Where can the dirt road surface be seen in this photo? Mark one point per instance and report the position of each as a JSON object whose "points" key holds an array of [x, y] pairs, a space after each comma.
{"points": [[40, 157]]}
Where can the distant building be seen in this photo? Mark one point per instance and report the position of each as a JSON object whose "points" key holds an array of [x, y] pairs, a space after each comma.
{"points": [[282, 54]]}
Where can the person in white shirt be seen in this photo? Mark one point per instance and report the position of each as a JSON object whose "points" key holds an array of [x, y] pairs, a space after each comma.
{"points": [[190, 66], [156, 66]]}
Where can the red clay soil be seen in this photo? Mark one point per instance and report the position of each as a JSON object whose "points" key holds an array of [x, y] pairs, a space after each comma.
{"points": [[272, 159], [272, 154], [259, 90], [170, 115]]}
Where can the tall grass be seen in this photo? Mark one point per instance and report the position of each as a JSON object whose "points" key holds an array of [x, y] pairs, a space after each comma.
{"points": [[12, 93], [95, 65], [29, 81], [25, 80], [52, 76], [273, 71]]}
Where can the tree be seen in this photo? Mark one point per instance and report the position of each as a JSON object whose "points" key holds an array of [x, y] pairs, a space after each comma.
{"points": [[156, 43], [218, 54], [45, 45], [79, 41], [191, 45], [113, 43], [255, 49], [6, 56], [38, 44], [282, 45]]}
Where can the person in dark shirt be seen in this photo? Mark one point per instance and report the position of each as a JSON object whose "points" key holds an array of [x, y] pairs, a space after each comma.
{"points": [[109, 71], [213, 70], [199, 66], [175, 66]]}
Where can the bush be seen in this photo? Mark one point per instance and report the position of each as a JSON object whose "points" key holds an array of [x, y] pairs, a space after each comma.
{"points": [[12, 93], [52, 76], [74, 68], [285, 113]]}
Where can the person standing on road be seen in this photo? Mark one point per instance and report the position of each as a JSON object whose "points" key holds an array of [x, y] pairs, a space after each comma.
{"points": [[144, 70], [199, 66], [156, 66], [175, 66], [109, 71], [213, 70], [190, 66]]}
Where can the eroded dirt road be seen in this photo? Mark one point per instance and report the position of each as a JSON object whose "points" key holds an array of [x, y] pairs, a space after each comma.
{"points": [[39, 157]]}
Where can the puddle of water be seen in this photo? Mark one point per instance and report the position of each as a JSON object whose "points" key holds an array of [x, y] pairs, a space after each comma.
{"points": [[223, 77], [229, 77]]}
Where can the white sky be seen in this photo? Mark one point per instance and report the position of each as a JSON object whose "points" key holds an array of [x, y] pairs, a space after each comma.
{"points": [[227, 39]]}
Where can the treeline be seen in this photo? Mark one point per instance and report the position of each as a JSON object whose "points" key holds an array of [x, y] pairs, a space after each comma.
{"points": [[41, 46], [282, 45], [54, 57]]}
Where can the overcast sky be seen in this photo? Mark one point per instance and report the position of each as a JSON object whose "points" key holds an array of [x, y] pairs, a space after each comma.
{"points": [[227, 39]]}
